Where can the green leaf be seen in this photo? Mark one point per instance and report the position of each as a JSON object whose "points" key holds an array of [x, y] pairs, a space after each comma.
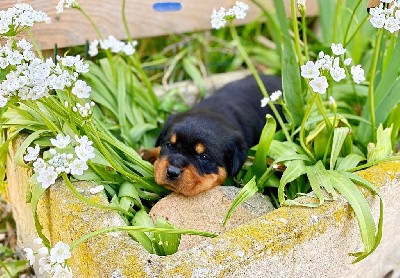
{"points": [[194, 73], [165, 244], [327, 9], [294, 170], [37, 192], [383, 147], [141, 218], [317, 179], [339, 135], [360, 207], [386, 95], [349, 162], [292, 88], [245, 193], [267, 134], [19, 154]]}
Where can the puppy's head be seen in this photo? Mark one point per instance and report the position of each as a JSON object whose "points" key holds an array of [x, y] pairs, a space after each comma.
{"points": [[197, 152]]}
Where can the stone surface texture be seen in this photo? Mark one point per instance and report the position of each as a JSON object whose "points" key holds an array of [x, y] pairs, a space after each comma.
{"points": [[287, 242], [207, 211]]}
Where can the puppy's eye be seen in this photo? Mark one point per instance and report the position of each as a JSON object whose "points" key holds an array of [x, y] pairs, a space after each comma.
{"points": [[203, 157], [168, 145]]}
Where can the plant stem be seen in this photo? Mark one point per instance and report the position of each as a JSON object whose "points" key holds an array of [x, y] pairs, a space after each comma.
{"points": [[261, 85], [304, 30], [356, 31], [137, 229], [322, 111], [35, 44], [351, 19], [136, 59], [89, 18], [88, 201], [371, 89], [303, 124], [296, 31], [372, 163], [335, 23]]}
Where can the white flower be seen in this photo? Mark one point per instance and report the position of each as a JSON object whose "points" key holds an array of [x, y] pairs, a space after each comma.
{"points": [[84, 140], [358, 74], [325, 62], [84, 152], [347, 61], [264, 101], [81, 89], [81, 67], [238, 10], [276, 95], [337, 73], [96, 189], [61, 271], [32, 153], [39, 165], [59, 253], [378, 21], [20, 15], [43, 251], [93, 48], [47, 177], [3, 101], [218, 18], [338, 49], [310, 70], [301, 4], [78, 166], [60, 141], [319, 84], [392, 24], [70, 61], [84, 110], [44, 265], [29, 255], [65, 4]]}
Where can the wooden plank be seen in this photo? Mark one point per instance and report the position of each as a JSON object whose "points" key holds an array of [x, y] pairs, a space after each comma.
{"points": [[71, 28]]}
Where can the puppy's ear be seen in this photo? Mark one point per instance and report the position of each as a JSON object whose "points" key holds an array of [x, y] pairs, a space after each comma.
{"points": [[165, 129], [236, 154]]}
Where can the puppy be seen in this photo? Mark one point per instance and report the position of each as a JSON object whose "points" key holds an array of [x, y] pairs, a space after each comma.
{"points": [[198, 149]]}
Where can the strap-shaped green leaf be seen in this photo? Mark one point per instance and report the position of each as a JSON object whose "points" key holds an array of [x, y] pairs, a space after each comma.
{"points": [[317, 179], [349, 162], [267, 134], [360, 207], [294, 170], [339, 135], [247, 191]]}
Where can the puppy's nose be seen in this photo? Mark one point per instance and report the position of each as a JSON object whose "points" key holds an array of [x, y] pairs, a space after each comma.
{"points": [[173, 172]]}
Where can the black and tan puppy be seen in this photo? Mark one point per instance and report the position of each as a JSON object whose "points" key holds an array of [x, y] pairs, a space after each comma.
{"points": [[198, 149]]}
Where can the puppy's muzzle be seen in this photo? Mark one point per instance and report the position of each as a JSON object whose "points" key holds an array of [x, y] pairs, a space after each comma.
{"points": [[173, 173]]}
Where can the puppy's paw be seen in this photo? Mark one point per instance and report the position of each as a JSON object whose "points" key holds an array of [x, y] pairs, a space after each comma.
{"points": [[150, 155]]}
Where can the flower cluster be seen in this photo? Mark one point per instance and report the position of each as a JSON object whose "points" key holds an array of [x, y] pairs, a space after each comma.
{"points": [[220, 17], [14, 20], [327, 65], [113, 44], [273, 97], [66, 4], [84, 110], [51, 261], [386, 15], [30, 78], [62, 158]]}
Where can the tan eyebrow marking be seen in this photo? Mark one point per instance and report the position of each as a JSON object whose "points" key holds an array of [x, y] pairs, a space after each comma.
{"points": [[172, 140], [200, 148]]}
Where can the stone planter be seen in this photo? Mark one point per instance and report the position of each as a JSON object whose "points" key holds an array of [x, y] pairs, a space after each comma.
{"points": [[287, 242]]}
